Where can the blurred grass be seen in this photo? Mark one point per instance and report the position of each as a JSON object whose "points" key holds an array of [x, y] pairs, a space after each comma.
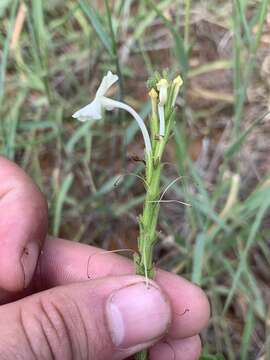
{"points": [[50, 66]]}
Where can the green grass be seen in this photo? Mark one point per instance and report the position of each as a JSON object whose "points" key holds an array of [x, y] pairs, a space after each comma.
{"points": [[221, 241]]}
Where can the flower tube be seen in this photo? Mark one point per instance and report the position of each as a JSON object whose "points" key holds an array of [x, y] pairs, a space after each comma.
{"points": [[162, 87]]}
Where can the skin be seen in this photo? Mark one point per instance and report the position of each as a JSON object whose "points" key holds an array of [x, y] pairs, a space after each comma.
{"points": [[47, 286]]}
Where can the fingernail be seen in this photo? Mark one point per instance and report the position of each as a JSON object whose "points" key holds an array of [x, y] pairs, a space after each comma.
{"points": [[29, 261], [137, 314]]}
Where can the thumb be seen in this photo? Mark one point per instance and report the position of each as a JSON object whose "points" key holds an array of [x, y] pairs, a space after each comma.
{"points": [[109, 318]]}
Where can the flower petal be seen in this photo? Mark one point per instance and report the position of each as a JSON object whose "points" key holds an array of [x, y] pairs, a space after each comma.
{"points": [[90, 111], [107, 81]]}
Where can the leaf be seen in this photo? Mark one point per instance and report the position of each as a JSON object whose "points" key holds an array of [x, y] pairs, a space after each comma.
{"points": [[94, 18], [243, 256], [198, 256], [5, 51], [59, 203]]}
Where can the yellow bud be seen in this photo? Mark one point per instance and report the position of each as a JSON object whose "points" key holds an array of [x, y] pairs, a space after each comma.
{"points": [[177, 83], [153, 94]]}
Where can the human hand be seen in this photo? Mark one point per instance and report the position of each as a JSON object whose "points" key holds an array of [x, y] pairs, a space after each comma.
{"points": [[51, 310]]}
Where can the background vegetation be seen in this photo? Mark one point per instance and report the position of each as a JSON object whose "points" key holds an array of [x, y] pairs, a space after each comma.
{"points": [[53, 54]]}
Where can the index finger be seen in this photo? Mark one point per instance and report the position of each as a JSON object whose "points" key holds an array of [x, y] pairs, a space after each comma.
{"points": [[23, 227]]}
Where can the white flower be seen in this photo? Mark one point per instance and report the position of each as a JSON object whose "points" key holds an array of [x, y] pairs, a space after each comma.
{"points": [[94, 109]]}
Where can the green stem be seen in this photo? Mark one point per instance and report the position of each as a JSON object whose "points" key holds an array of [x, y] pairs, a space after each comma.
{"points": [[147, 238], [142, 355], [148, 223]]}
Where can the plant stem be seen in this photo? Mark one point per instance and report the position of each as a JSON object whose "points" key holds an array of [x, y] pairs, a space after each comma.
{"points": [[147, 238], [142, 355], [148, 224], [148, 221]]}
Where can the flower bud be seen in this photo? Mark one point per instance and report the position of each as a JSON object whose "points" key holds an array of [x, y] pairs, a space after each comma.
{"points": [[162, 87], [177, 83], [153, 94]]}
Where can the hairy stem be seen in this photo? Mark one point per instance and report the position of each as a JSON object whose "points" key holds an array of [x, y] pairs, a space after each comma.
{"points": [[148, 222]]}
